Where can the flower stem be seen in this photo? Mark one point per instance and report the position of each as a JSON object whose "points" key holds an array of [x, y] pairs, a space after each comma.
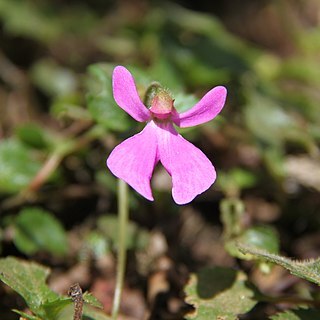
{"points": [[123, 213]]}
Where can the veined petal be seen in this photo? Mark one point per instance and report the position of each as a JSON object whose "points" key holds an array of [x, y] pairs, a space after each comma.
{"points": [[205, 110], [126, 96], [134, 160], [191, 171]]}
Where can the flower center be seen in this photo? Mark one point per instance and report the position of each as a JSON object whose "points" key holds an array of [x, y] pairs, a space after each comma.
{"points": [[161, 105], [159, 102]]}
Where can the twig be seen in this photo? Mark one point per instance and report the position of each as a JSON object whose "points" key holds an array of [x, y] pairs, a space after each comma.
{"points": [[49, 166], [75, 293]]}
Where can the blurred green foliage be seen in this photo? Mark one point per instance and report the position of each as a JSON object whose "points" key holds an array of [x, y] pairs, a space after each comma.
{"points": [[297, 315], [37, 230], [228, 298], [18, 166], [100, 101], [29, 280], [59, 121]]}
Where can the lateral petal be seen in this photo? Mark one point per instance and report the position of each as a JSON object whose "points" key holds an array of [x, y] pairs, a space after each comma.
{"points": [[126, 95], [191, 171], [205, 110], [134, 160]]}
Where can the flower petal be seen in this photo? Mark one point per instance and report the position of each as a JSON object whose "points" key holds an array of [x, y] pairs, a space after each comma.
{"points": [[191, 171], [205, 110], [134, 160], [126, 96]]}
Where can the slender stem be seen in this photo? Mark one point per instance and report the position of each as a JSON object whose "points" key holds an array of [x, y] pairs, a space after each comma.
{"points": [[123, 213]]}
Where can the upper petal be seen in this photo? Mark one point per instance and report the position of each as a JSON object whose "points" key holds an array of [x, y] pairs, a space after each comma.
{"points": [[205, 110], [134, 160], [191, 171], [126, 96]]}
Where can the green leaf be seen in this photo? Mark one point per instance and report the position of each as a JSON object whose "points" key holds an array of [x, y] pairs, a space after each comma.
{"points": [[233, 181], [38, 230], [53, 79], [18, 166], [44, 21], [219, 293], [268, 121], [29, 280], [25, 315], [62, 313], [263, 237], [100, 100], [94, 245], [63, 308], [184, 102], [91, 313], [25, 19], [163, 71], [274, 161], [92, 300], [308, 314], [137, 238], [33, 135], [309, 270], [68, 107], [58, 309]]}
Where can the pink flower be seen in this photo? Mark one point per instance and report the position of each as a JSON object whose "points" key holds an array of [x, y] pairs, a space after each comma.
{"points": [[135, 158]]}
